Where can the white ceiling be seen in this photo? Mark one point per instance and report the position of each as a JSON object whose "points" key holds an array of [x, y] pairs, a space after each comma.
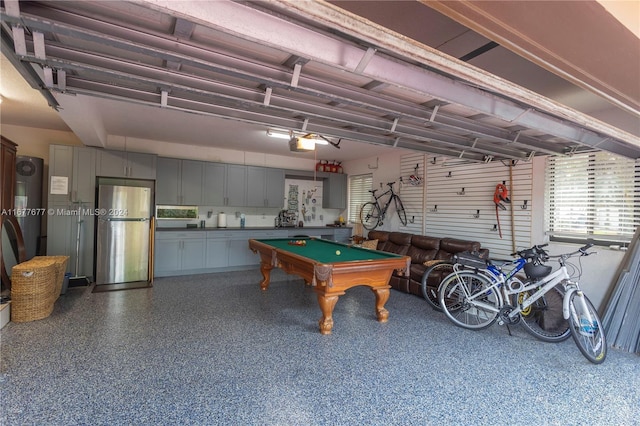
{"points": [[95, 115]]}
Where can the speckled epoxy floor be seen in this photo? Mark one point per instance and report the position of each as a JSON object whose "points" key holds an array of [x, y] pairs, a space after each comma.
{"points": [[215, 350]]}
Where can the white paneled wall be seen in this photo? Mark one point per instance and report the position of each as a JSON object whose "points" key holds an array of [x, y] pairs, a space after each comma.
{"points": [[459, 203], [411, 194]]}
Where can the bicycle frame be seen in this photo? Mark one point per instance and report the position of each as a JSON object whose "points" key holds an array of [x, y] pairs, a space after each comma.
{"points": [[503, 291]]}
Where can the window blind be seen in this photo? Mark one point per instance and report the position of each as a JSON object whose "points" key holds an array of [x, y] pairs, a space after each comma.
{"points": [[592, 196], [359, 186]]}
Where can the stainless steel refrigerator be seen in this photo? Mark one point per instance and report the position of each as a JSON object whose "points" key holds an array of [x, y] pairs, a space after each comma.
{"points": [[122, 250]]}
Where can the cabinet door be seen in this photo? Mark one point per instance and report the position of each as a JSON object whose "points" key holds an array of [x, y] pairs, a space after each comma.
{"points": [[191, 182], [7, 174], [256, 186], [193, 254], [141, 166], [60, 165], [274, 192], [334, 191], [236, 185], [217, 253], [168, 181], [84, 247], [214, 184], [167, 256], [84, 176], [59, 231], [241, 255], [111, 163]]}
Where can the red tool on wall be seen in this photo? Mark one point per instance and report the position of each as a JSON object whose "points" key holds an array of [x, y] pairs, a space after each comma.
{"points": [[500, 196]]}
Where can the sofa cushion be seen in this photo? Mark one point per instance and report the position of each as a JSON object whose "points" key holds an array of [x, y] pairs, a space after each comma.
{"points": [[370, 244], [381, 236], [398, 243], [451, 246], [423, 248]]}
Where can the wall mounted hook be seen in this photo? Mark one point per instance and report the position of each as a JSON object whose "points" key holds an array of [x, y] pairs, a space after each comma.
{"points": [[434, 209], [412, 220], [477, 214], [449, 175], [524, 205], [495, 228], [461, 192], [434, 160]]}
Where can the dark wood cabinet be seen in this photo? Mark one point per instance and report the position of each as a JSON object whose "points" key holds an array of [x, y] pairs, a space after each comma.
{"points": [[8, 174]]}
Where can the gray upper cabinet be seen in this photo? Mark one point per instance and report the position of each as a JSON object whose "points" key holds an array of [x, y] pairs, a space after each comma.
{"points": [[236, 186], [265, 187], [168, 181], [126, 164], [179, 182], [191, 182], [215, 183], [83, 187], [334, 191], [60, 166]]}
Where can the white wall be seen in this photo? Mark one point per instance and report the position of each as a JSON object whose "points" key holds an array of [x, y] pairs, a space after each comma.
{"points": [[598, 271]]}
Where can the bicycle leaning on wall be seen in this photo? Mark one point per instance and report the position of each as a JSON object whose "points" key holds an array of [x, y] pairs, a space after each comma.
{"points": [[372, 213], [542, 319], [470, 299]]}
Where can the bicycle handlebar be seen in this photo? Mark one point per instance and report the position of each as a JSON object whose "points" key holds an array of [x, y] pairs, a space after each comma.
{"points": [[535, 252], [582, 251]]}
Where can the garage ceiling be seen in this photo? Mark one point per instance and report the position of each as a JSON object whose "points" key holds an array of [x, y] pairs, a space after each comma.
{"points": [[138, 68]]}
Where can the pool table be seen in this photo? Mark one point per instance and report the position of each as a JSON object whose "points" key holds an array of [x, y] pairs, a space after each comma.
{"points": [[331, 268]]}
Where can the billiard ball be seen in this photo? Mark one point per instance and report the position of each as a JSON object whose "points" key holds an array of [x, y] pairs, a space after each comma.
{"points": [[338, 252]]}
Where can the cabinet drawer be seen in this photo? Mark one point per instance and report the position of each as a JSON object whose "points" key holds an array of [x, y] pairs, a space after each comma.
{"points": [[186, 235]]}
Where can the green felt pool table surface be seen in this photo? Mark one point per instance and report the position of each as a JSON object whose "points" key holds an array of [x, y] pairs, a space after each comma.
{"points": [[323, 251]]}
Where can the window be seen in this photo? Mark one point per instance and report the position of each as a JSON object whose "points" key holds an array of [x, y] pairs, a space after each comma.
{"points": [[592, 196], [359, 187]]}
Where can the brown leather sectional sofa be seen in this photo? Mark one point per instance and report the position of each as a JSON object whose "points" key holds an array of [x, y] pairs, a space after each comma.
{"points": [[421, 249]]}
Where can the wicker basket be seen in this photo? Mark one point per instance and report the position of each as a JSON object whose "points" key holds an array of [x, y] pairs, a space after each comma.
{"points": [[33, 289], [61, 269]]}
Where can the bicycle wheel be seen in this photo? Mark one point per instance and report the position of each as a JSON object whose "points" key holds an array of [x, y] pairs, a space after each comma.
{"points": [[370, 215], [429, 291], [468, 300], [400, 209], [543, 319], [588, 335]]}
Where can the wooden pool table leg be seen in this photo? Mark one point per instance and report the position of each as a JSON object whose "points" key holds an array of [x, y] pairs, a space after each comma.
{"points": [[382, 295], [327, 303], [265, 269]]}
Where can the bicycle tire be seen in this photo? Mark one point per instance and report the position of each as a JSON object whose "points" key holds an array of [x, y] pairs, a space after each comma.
{"points": [[589, 338], [430, 293], [543, 319], [370, 215], [476, 311], [402, 214]]}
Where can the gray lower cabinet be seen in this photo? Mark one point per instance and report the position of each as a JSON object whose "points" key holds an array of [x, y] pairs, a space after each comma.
{"points": [[179, 252], [198, 251], [70, 230]]}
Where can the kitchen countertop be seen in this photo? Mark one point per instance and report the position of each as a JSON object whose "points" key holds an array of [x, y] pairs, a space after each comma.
{"points": [[250, 228]]}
